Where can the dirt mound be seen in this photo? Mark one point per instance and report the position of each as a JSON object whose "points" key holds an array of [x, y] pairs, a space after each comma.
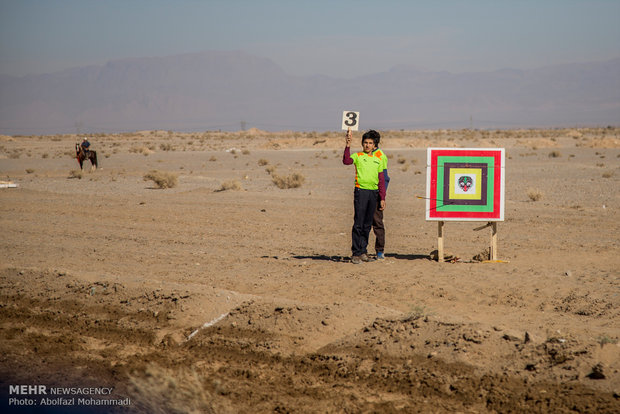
{"points": [[520, 355], [303, 327]]}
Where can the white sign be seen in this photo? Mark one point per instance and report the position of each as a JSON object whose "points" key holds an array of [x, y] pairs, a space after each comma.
{"points": [[350, 119]]}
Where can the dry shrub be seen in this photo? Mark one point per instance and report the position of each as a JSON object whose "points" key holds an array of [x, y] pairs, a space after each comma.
{"points": [[608, 174], [166, 147], [534, 194], [271, 169], [401, 160], [75, 174], [142, 150], [482, 256], [161, 390], [246, 152], [230, 185], [162, 179], [294, 180], [212, 158], [263, 162], [555, 154], [29, 170]]}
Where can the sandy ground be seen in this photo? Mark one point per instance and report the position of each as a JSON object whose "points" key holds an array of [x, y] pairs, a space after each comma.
{"points": [[192, 299]]}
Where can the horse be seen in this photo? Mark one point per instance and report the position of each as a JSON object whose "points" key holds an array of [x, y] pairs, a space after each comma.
{"points": [[81, 155]]}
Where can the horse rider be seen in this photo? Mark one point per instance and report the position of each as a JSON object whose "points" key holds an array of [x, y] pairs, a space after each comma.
{"points": [[85, 144]]}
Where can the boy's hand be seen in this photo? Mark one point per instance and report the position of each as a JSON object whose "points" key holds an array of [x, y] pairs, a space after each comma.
{"points": [[382, 205], [349, 138]]}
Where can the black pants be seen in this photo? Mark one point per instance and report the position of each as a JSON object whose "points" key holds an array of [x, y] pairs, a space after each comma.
{"points": [[364, 203], [379, 229]]}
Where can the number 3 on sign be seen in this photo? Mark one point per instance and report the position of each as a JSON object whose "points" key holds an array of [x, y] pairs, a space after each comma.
{"points": [[351, 120]]}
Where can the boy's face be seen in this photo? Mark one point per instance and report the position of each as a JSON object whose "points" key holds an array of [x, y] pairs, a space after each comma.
{"points": [[368, 145]]}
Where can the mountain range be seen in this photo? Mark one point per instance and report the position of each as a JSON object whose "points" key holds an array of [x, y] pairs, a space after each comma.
{"points": [[231, 90]]}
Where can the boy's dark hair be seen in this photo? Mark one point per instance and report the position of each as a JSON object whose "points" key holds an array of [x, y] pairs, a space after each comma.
{"points": [[374, 135]]}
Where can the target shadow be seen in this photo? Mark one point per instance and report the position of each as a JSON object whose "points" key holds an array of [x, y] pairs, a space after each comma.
{"points": [[400, 256]]}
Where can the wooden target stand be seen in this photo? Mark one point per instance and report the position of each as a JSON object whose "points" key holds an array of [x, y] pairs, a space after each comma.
{"points": [[493, 241]]}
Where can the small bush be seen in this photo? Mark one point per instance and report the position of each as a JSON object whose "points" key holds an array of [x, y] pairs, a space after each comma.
{"points": [[212, 158], [608, 174], [141, 150], [416, 313], [162, 179], [263, 162], [294, 180], [45, 155], [534, 194], [29, 170], [246, 152], [230, 185], [271, 169], [75, 174], [606, 339], [555, 154], [166, 147]]}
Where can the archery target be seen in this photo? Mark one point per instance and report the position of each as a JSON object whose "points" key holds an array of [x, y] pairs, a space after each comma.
{"points": [[465, 184]]}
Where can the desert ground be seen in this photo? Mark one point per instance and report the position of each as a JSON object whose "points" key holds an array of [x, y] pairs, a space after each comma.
{"points": [[224, 293]]}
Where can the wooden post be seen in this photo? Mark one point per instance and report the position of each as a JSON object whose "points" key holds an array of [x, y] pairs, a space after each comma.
{"points": [[440, 241], [493, 248]]}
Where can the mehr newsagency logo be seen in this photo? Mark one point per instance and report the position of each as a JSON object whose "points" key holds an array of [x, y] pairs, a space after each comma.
{"points": [[43, 395]]}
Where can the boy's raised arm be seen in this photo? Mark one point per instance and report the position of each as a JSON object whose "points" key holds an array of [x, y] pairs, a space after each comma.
{"points": [[346, 156]]}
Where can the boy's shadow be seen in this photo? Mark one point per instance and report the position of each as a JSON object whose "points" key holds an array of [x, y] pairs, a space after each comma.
{"points": [[327, 258], [324, 257]]}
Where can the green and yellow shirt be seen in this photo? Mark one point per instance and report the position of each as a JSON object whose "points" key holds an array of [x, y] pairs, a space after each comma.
{"points": [[367, 169]]}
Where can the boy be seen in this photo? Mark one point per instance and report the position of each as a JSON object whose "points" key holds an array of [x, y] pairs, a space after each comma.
{"points": [[369, 191], [377, 221]]}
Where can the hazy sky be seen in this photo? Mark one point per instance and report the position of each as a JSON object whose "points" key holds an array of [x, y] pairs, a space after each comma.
{"points": [[338, 38]]}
